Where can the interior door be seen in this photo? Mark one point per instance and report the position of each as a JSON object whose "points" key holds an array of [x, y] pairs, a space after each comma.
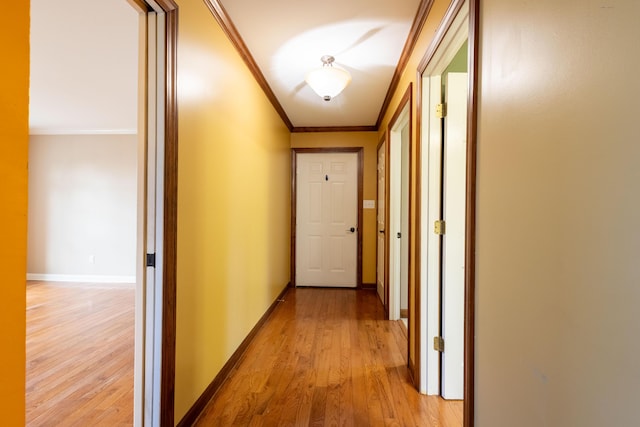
{"points": [[404, 223], [151, 190], [326, 219], [454, 187], [381, 224], [398, 222]]}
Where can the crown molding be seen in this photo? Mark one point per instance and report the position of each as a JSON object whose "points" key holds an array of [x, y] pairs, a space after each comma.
{"points": [[335, 129], [412, 39], [220, 15]]}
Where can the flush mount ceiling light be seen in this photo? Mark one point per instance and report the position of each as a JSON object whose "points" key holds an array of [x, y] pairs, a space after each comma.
{"points": [[328, 81]]}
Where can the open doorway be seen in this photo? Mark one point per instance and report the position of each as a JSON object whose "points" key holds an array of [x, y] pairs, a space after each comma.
{"points": [[398, 225], [381, 208], [83, 209], [444, 89], [399, 149], [151, 219]]}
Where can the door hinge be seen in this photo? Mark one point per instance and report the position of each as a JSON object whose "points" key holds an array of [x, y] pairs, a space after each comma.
{"points": [[151, 260], [439, 227], [438, 344], [441, 111]]}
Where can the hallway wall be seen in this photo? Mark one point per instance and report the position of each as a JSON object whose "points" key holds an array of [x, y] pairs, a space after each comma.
{"points": [[14, 149], [368, 140], [233, 203], [558, 277]]}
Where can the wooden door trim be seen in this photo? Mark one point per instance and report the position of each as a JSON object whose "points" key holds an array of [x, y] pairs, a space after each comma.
{"points": [[385, 207], [170, 225], [470, 220], [471, 199], [360, 179], [407, 100]]}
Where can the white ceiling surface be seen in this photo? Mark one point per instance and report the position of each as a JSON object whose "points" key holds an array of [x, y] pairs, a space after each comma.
{"points": [[84, 64], [287, 38], [84, 67]]}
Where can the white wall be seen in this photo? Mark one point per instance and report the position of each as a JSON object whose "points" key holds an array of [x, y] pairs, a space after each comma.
{"points": [[82, 207], [558, 249]]}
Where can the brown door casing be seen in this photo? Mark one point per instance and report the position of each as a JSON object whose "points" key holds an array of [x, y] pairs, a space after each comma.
{"points": [[360, 152]]}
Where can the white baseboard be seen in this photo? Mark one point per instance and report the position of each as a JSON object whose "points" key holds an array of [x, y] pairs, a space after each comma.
{"points": [[69, 131], [79, 278]]}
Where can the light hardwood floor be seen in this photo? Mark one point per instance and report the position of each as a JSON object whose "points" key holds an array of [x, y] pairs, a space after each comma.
{"points": [[327, 357], [79, 347]]}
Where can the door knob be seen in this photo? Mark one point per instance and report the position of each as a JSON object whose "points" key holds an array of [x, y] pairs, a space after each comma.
{"points": [[381, 231], [352, 230]]}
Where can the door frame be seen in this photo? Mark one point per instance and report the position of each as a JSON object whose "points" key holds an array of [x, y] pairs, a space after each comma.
{"points": [[385, 260], [394, 162], [159, 406], [405, 103], [360, 178], [471, 195], [432, 271]]}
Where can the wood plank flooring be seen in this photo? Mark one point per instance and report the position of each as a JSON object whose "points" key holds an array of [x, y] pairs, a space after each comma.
{"points": [[327, 357], [80, 344]]}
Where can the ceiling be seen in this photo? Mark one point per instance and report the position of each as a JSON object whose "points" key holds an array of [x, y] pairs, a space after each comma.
{"points": [[90, 52], [287, 38], [84, 67]]}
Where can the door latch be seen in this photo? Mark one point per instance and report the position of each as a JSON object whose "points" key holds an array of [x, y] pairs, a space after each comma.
{"points": [[151, 260]]}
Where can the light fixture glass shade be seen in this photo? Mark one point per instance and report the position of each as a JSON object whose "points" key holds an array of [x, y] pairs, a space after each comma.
{"points": [[328, 81]]}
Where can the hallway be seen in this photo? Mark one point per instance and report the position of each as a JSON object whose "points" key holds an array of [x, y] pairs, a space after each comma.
{"points": [[326, 357]]}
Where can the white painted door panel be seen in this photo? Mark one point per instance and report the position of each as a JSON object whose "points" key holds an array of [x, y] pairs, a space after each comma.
{"points": [[327, 215], [430, 263], [454, 240], [404, 222], [394, 223]]}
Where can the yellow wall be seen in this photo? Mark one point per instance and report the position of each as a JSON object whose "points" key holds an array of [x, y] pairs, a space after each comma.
{"points": [[233, 203], [409, 77], [558, 271], [368, 140], [14, 110]]}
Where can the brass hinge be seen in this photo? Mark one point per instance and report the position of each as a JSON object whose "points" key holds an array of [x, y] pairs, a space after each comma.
{"points": [[439, 227], [441, 111], [438, 344]]}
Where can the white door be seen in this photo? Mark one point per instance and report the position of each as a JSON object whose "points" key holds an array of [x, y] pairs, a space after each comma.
{"points": [[381, 224], [404, 224], [443, 181], [151, 149], [326, 219], [454, 189], [398, 221], [430, 246]]}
